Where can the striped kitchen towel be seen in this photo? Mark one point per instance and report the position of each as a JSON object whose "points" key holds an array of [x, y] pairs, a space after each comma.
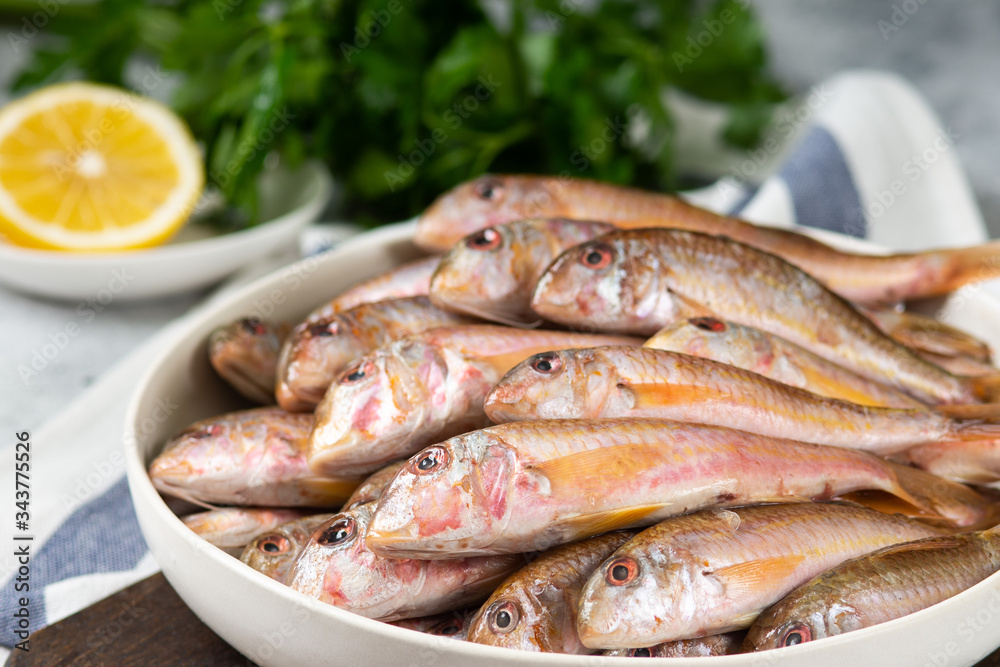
{"points": [[860, 154]]}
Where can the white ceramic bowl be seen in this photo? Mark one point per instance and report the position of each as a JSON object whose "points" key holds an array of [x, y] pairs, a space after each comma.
{"points": [[273, 625], [195, 257]]}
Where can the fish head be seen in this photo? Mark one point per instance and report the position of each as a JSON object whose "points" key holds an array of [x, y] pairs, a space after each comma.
{"points": [[456, 626], [562, 384], [246, 337], [274, 553], [491, 199], [799, 619], [312, 356], [249, 457], [370, 413], [450, 496], [514, 617], [696, 336], [615, 284], [336, 566], [491, 272], [640, 591], [208, 453]]}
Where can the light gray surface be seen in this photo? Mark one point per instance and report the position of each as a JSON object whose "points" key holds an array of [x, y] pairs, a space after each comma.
{"points": [[950, 51]]}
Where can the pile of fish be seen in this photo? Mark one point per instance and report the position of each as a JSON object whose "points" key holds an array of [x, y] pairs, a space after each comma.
{"points": [[606, 420]]}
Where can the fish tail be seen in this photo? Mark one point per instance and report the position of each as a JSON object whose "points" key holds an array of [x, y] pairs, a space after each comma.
{"points": [[961, 266], [956, 503], [944, 340], [986, 387]]}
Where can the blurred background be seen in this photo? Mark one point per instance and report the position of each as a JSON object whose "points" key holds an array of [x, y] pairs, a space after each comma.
{"points": [[948, 51]]}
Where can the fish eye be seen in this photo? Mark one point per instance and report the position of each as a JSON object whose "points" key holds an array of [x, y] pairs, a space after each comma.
{"points": [[797, 633], [487, 239], [252, 326], [639, 653], [503, 616], [596, 256], [621, 571], [431, 459], [321, 330], [273, 545], [546, 362], [708, 324], [203, 432], [489, 189], [356, 375], [446, 628], [337, 532]]}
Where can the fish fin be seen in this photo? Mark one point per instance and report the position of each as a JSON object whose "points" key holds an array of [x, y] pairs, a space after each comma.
{"points": [[927, 544], [588, 472], [336, 490], [977, 429], [840, 390], [992, 532], [689, 308], [970, 410], [183, 494], [986, 387], [961, 266], [887, 503], [755, 574], [954, 502], [588, 525], [653, 395]]}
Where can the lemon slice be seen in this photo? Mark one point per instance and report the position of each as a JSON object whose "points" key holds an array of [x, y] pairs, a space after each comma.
{"points": [[87, 167]]}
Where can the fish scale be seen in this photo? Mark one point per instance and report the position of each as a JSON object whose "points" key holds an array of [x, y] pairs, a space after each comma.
{"points": [[628, 381], [544, 595], [771, 356], [878, 587], [422, 389], [714, 571], [525, 486], [316, 352], [707, 275], [494, 199]]}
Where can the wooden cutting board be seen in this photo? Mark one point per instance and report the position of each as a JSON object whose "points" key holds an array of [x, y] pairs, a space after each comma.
{"points": [[148, 624]]}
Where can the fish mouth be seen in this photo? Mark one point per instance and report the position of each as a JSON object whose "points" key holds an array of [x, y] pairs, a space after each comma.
{"points": [[388, 543]]}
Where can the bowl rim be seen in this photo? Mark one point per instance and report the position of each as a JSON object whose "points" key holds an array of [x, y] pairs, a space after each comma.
{"points": [[142, 490]]}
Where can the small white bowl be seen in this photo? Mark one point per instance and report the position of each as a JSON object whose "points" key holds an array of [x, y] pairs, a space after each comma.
{"points": [[274, 625], [195, 257]]}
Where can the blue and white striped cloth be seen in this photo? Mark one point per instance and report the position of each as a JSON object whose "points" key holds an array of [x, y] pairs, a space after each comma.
{"points": [[862, 155]]}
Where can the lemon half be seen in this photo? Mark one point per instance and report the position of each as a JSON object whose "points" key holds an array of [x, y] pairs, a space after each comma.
{"points": [[86, 167]]}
